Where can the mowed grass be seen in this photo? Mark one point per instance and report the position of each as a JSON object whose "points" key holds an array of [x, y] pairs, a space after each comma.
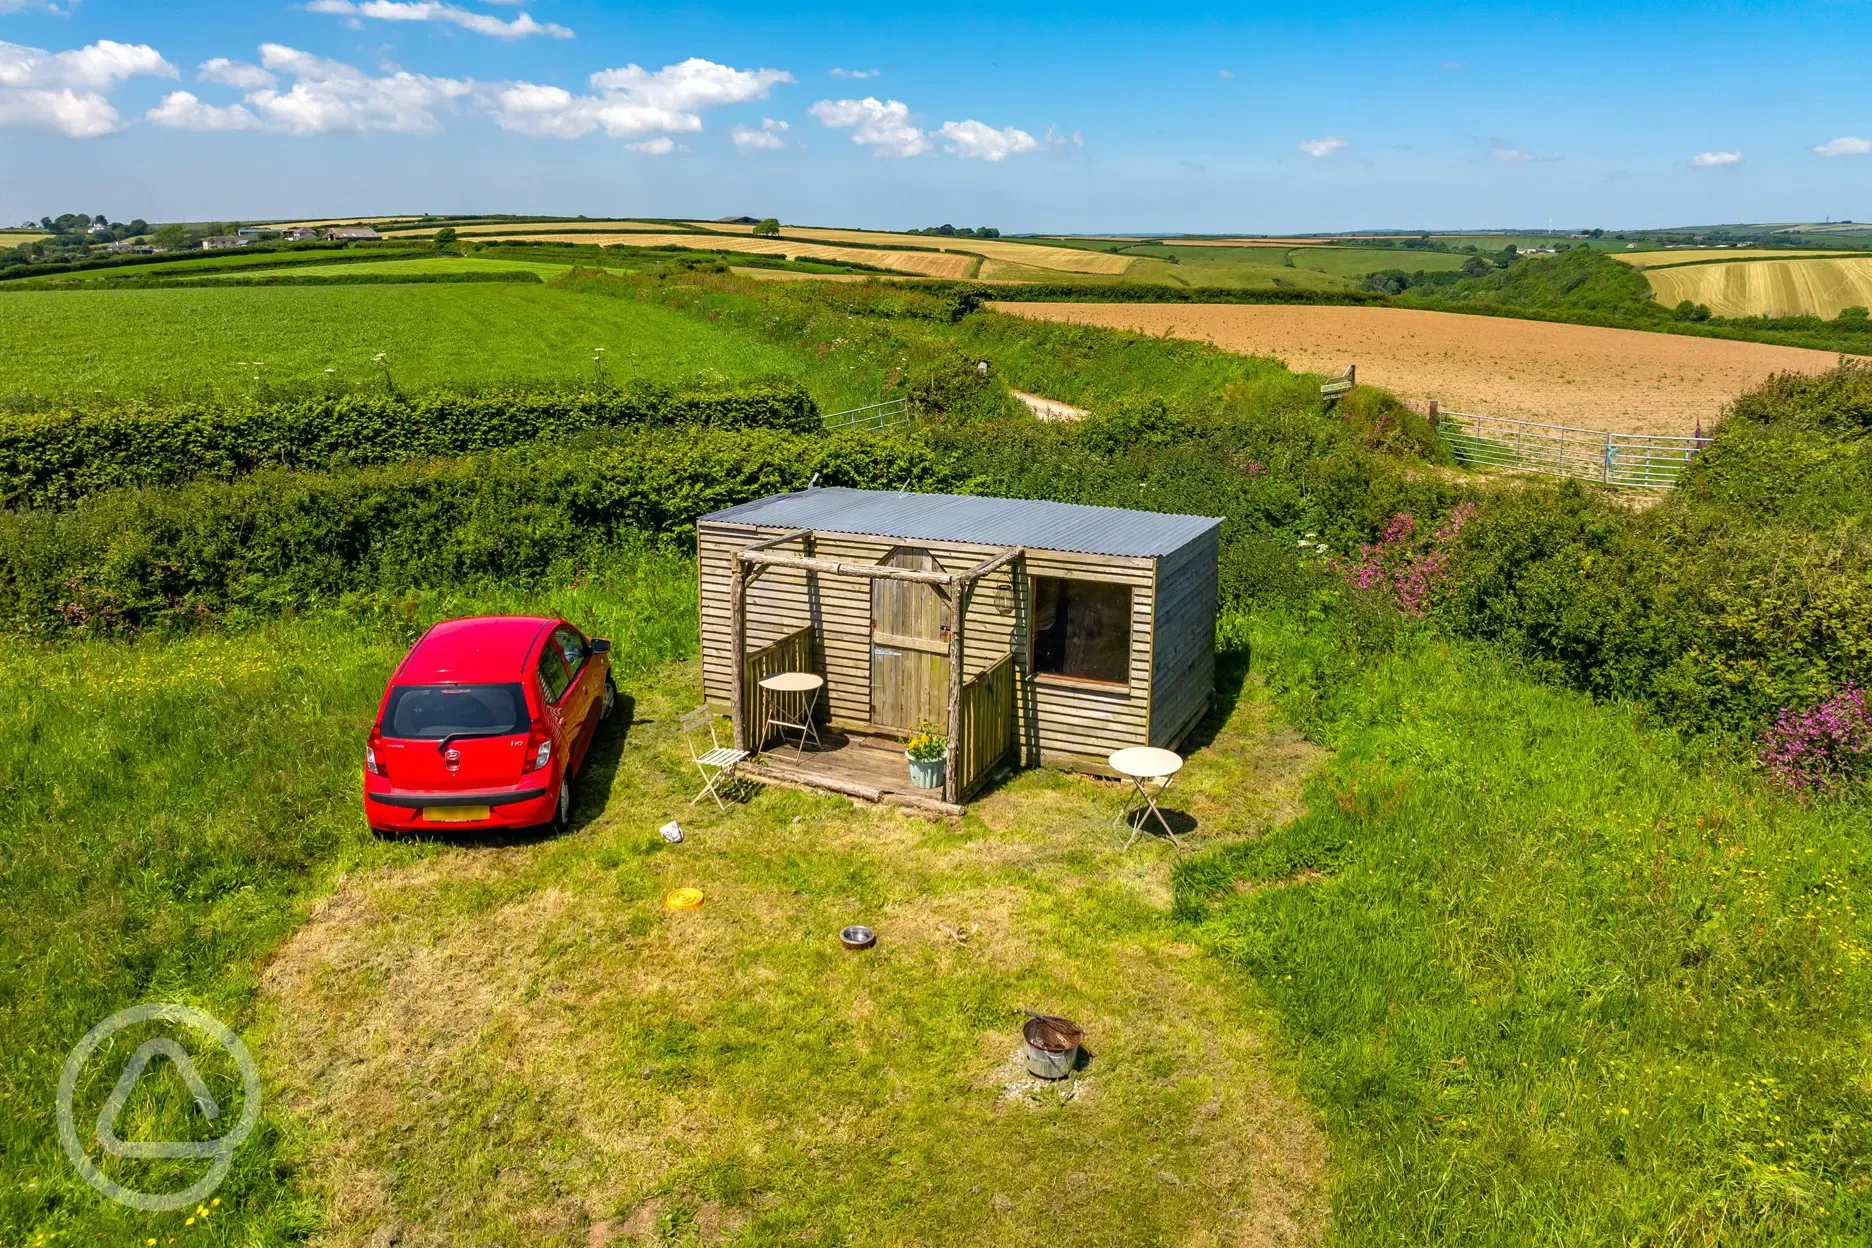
{"points": [[1231, 267], [90, 346], [1358, 261], [515, 1042], [167, 812], [1768, 287], [1552, 980]]}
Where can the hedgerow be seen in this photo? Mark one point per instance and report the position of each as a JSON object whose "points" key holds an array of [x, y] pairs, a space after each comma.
{"points": [[412, 278], [55, 458], [277, 540]]}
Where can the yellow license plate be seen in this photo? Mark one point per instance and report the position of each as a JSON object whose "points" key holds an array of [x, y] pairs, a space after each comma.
{"points": [[456, 814]]}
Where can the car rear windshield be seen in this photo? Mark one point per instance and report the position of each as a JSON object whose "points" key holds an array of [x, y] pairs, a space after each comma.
{"points": [[432, 711]]}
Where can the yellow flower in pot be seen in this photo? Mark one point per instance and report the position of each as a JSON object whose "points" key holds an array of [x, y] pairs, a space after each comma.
{"points": [[928, 752]]}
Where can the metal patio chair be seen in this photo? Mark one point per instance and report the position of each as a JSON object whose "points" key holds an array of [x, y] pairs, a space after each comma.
{"points": [[718, 764]]}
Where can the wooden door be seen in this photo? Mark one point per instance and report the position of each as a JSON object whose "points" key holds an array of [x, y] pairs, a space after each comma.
{"points": [[909, 646]]}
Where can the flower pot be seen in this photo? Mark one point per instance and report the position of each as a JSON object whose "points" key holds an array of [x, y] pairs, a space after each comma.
{"points": [[927, 773]]}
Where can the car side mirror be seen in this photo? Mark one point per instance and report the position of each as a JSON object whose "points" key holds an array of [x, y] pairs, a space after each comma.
{"points": [[601, 645]]}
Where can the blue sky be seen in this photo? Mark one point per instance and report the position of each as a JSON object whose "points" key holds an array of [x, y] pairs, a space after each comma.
{"points": [[1076, 118]]}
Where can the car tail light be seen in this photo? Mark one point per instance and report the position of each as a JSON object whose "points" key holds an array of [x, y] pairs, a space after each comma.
{"points": [[371, 762], [538, 749]]}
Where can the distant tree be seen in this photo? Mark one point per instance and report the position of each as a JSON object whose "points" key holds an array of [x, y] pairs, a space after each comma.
{"points": [[768, 227], [1596, 234], [138, 226], [1854, 318], [45, 223], [445, 237], [946, 230], [171, 237], [987, 231]]}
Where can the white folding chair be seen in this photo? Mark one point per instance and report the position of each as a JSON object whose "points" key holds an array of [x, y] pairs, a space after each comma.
{"points": [[717, 763]]}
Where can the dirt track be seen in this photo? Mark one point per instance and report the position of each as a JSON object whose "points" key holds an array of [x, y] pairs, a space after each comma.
{"points": [[1619, 379]]}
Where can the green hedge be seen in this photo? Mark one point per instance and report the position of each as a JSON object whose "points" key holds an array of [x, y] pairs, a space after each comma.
{"points": [[134, 560], [55, 458], [274, 278]]}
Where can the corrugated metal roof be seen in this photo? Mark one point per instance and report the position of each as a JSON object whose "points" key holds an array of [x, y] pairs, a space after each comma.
{"points": [[962, 518]]}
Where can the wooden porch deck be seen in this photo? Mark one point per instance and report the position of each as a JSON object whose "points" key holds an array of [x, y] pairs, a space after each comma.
{"points": [[859, 765]]}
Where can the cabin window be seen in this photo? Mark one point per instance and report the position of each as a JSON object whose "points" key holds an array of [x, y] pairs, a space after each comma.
{"points": [[1082, 629]]}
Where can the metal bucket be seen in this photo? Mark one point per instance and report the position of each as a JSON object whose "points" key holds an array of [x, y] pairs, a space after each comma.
{"points": [[1052, 1046]]}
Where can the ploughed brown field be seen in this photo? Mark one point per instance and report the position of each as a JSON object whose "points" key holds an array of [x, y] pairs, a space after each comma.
{"points": [[1625, 380]]}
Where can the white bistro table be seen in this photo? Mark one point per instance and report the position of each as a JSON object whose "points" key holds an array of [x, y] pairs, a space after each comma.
{"points": [[805, 687], [1143, 766]]}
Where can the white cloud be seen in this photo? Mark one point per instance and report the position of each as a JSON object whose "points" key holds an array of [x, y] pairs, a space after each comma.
{"points": [[655, 147], [1225, 73], [64, 91], [1707, 160], [880, 124], [769, 137], [1846, 145], [1452, 65], [519, 27], [983, 142], [855, 73], [1318, 148], [237, 74], [631, 102], [180, 110], [1508, 156], [329, 95]]}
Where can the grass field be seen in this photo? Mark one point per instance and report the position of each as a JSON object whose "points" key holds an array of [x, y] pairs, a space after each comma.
{"points": [[918, 263], [85, 345], [515, 1042], [1358, 261], [1768, 288], [423, 264], [199, 263], [1552, 980]]}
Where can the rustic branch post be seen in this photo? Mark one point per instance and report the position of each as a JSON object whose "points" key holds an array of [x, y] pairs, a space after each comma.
{"points": [[958, 611], [737, 644]]}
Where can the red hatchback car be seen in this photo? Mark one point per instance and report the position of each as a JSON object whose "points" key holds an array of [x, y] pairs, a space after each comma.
{"points": [[484, 725]]}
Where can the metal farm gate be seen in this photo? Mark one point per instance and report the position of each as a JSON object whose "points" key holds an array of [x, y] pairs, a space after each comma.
{"points": [[1642, 460]]}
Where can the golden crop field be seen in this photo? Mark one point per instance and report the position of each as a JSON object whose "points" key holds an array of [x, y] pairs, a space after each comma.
{"points": [[1696, 255], [315, 225], [12, 238], [1768, 288], [921, 263], [525, 229], [1040, 256]]}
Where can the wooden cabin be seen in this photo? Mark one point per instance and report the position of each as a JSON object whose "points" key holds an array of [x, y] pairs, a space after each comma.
{"points": [[1029, 632]]}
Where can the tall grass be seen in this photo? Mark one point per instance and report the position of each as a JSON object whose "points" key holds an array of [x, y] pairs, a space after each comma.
{"points": [[166, 812], [1552, 978]]}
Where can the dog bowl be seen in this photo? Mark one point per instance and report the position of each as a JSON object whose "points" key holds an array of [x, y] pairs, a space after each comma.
{"points": [[857, 936]]}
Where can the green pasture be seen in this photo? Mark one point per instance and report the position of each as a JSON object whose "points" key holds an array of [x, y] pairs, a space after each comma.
{"points": [[83, 346], [1355, 262], [210, 262], [423, 264], [1552, 975]]}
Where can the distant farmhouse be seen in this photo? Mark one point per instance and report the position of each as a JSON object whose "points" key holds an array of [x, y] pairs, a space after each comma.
{"points": [[353, 234], [224, 242], [301, 235]]}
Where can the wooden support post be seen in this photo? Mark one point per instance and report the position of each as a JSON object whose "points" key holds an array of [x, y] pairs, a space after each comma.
{"points": [[952, 773], [737, 645], [1434, 414]]}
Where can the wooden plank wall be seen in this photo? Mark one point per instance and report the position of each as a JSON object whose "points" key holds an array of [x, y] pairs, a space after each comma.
{"points": [[986, 733], [792, 653], [1068, 723], [1183, 679]]}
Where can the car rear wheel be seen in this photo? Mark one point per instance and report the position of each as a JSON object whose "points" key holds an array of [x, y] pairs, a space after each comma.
{"points": [[562, 813], [610, 698]]}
